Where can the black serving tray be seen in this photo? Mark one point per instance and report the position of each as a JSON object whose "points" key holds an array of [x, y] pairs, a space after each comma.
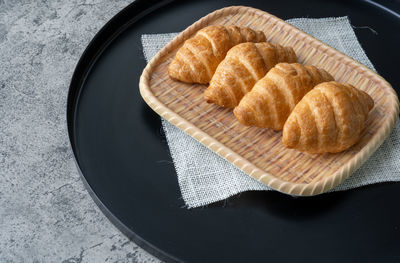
{"points": [[123, 157]]}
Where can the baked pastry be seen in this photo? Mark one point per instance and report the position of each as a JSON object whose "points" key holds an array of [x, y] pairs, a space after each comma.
{"points": [[273, 97], [329, 118], [242, 67], [197, 59]]}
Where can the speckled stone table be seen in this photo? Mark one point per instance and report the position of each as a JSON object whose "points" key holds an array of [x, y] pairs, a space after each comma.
{"points": [[46, 215]]}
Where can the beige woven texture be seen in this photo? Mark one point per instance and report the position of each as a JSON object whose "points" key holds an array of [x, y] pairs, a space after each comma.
{"points": [[259, 152]]}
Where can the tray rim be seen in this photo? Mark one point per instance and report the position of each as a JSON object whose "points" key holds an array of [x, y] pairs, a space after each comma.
{"points": [[297, 189]]}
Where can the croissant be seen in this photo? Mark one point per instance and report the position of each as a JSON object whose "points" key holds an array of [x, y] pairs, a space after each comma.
{"points": [[197, 59], [242, 67], [329, 118], [273, 97]]}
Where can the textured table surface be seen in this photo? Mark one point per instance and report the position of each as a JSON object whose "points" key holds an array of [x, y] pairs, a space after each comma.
{"points": [[46, 215]]}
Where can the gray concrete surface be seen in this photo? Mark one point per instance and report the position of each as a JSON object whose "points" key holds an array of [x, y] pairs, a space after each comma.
{"points": [[46, 215]]}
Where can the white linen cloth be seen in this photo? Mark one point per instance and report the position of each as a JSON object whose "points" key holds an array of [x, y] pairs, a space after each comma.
{"points": [[204, 177]]}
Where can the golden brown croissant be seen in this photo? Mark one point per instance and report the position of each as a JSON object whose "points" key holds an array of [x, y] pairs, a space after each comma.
{"points": [[242, 67], [329, 118], [197, 59], [273, 97]]}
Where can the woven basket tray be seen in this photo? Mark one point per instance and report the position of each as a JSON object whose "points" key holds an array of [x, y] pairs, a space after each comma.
{"points": [[259, 152]]}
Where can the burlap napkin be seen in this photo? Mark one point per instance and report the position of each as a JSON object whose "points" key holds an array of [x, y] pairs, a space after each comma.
{"points": [[204, 177]]}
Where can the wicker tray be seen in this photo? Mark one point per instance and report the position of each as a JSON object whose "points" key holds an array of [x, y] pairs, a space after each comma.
{"points": [[259, 152]]}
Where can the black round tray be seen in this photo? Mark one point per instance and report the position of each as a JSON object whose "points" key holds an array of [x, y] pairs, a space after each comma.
{"points": [[125, 163]]}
